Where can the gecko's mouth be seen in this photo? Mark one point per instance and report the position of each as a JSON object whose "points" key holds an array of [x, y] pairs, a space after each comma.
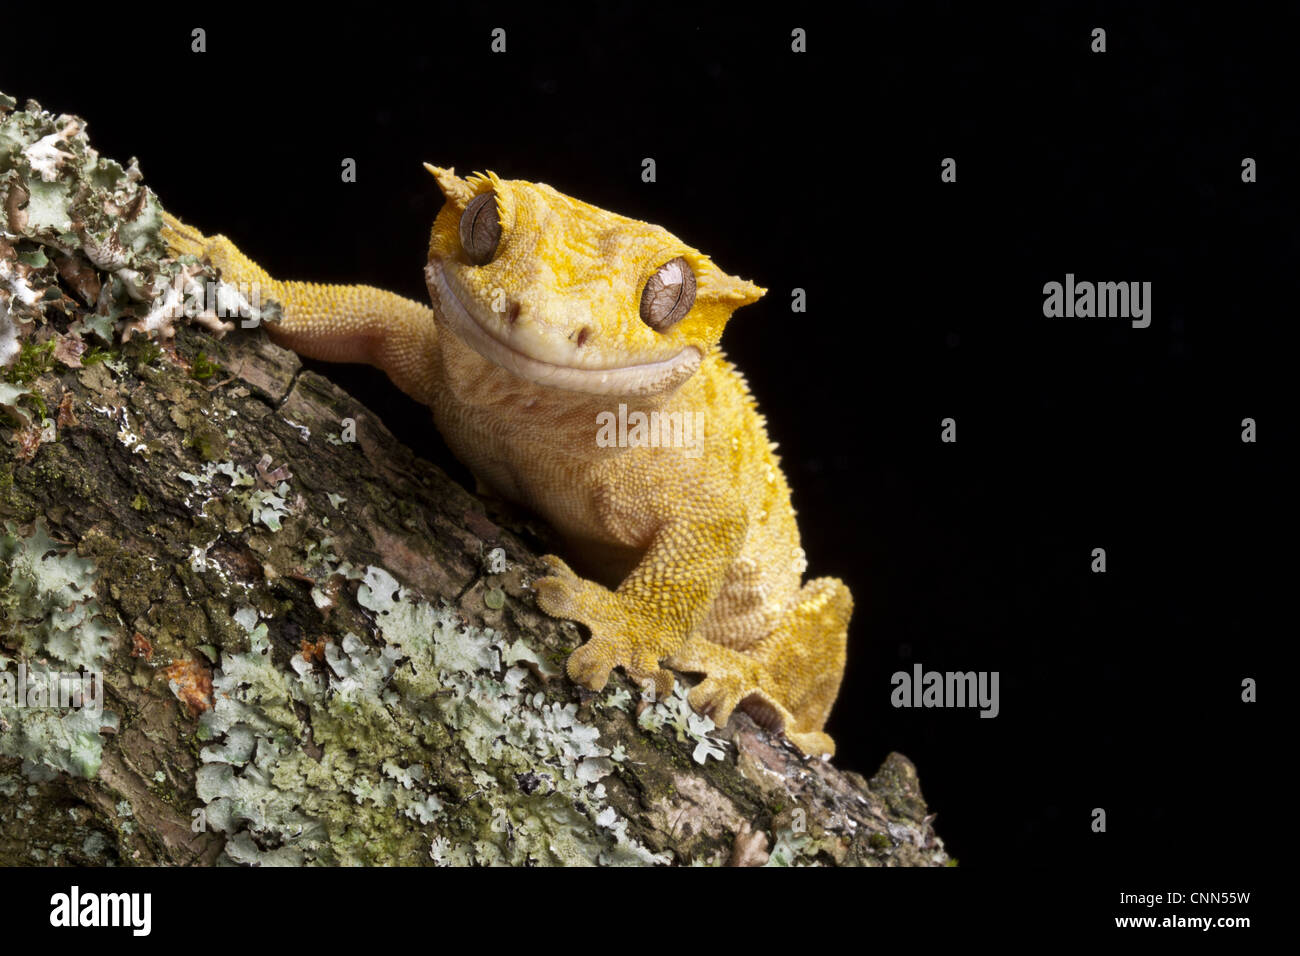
{"points": [[642, 379]]}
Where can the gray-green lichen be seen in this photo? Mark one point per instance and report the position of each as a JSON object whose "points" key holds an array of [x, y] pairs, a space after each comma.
{"points": [[790, 849], [412, 737], [50, 615], [71, 218], [400, 745], [263, 506], [674, 711]]}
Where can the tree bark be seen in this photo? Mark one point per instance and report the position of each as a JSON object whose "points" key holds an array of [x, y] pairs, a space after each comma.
{"points": [[317, 648]]}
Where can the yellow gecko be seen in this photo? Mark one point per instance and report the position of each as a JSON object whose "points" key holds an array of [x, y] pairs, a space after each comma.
{"points": [[548, 314]]}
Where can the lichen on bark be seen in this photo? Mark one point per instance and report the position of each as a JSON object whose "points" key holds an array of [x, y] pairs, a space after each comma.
{"points": [[315, 647]]}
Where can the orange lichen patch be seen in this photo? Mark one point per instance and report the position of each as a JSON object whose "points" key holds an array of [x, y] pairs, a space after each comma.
{"points": [[66, 416], [191, 682], [68, 349], [28, 441], [141, 647], [313, 651], [82, 278]]}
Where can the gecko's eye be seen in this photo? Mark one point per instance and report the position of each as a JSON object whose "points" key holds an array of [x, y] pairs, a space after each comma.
{"points": [[669, 295], [480, 229]]}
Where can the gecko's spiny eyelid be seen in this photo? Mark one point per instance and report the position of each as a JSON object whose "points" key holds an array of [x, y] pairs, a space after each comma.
{"points": [[480, 229]]}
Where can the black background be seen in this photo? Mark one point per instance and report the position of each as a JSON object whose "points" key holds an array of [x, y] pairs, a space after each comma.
{"points": [[821, 171]]}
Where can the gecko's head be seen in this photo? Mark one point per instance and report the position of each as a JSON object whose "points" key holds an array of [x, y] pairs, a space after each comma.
{"points": [[570, 296]]}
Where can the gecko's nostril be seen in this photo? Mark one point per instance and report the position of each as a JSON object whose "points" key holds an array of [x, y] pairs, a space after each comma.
{"points": [[582, 336], [512, 313]]}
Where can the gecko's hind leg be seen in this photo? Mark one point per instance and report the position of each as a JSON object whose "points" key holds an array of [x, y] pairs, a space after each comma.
{"points": [[788, 680]]}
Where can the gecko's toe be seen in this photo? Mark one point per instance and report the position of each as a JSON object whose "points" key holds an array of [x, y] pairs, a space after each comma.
{"points": [[590, 664], [814, 743], [561, 593], [716, 698], [181, 239], [557, 565], [555, 597], [652, 678]]}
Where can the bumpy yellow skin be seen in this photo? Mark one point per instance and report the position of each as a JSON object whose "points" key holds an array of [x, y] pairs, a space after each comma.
{"points": [[685, 557]]}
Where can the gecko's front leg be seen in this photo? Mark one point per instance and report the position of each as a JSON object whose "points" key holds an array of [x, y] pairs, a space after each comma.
{"points": [[656, 608], [336, 323]]}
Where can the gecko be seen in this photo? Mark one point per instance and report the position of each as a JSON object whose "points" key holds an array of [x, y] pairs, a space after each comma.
{"points": [[547, 317]]}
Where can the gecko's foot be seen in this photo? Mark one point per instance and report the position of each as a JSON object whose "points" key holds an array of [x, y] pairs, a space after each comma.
{"points": [[723, 689], [182, 240], [235, 267], [717, 697], [621, 634], [788, 680], [733, 681]]}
